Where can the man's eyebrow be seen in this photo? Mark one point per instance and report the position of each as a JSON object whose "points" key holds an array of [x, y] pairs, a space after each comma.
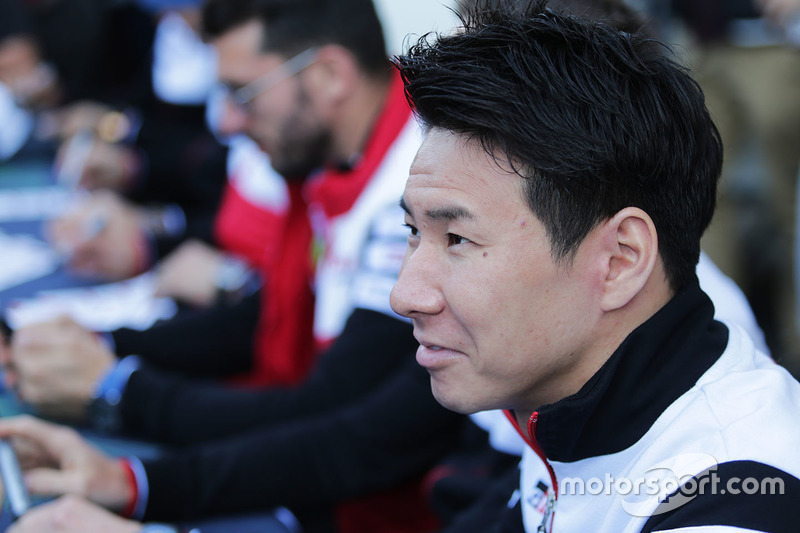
{"points": [[404, 206], [449, 212]]}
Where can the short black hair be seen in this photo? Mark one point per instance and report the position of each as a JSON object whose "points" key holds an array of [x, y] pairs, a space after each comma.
{"points": [[594, 119], [616, 13], [294, 25]]}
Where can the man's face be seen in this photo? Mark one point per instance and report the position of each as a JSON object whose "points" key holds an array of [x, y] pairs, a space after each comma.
{"points": [[282, 120], [500, 323], [33, 83]]}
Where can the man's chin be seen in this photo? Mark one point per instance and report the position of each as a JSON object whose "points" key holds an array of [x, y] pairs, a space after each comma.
{"points": [[452, 401]]}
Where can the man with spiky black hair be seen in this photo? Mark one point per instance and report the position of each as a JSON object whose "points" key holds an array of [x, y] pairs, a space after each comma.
{"points": [[555, 211]]}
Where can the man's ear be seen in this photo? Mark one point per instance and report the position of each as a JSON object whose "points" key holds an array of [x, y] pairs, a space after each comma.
{"points": [[334, 74], [630, 243]]}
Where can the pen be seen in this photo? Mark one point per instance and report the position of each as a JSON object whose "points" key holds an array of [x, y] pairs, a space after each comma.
{"points": [[16, 494], [75, 155]]}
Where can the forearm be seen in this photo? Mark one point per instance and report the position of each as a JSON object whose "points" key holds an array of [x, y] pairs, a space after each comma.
{"points": [[169, 409], [389, 437], [215, 342]]}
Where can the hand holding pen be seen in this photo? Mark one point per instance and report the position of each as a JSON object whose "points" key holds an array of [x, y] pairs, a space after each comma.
{"points": [[87, 161], [102, 237]]}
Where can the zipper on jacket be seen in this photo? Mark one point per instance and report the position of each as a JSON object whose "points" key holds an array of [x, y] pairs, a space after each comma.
{"points": [[553, 496], [548, 513]]}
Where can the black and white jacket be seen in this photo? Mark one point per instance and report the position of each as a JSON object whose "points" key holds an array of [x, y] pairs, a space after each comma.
{"points": [[686, 428]]}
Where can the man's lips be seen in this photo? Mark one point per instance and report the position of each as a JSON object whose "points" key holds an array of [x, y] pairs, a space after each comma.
{"points": [[433, 356]]}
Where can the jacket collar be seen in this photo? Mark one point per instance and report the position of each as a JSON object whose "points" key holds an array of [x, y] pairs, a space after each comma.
{"points": [[657, 363]]}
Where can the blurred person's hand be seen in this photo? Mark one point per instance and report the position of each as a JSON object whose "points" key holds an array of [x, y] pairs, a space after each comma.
{"points": [[56, 366], [56, 460], [92, 154], [87, 161], [190, 274], [70, 119], [103, 236], [71, 514]]}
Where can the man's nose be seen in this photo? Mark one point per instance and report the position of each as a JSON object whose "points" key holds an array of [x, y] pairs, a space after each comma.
{"points": [[417, 291]]}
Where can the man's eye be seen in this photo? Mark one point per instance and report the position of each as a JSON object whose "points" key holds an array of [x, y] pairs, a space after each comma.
{"points": [[412, 230], [453, 239]]}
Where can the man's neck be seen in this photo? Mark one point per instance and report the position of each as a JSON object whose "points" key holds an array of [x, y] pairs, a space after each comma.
{"points": [[611, 331]]}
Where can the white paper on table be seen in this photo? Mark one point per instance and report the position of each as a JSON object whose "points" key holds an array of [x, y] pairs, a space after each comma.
{"points": [[130, 303], [24, 258], [35, 203]]}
